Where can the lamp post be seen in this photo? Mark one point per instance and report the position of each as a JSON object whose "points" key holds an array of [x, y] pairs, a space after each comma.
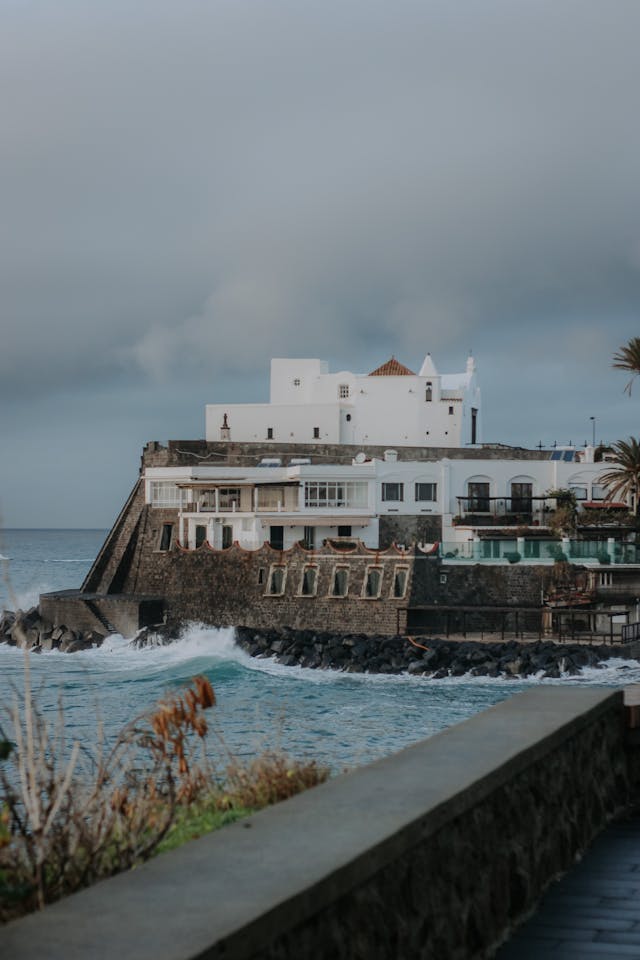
{"points": [[593, 428]]}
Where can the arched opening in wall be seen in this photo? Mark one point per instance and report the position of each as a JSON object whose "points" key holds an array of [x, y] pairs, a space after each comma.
{"points": [[428, 393], [201, 535], [277, 579], [478, 495], [340, 582], [309, 583], [372, 583], [400, 582]]}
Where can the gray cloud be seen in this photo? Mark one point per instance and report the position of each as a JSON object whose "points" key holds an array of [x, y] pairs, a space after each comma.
{"points": [[189, 189]]}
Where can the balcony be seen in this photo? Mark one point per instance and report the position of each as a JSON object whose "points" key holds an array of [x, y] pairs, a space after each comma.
{"points": [[504, 511]]}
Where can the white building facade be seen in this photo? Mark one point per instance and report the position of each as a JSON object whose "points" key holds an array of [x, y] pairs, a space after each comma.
{"points": [[309, 503], [392, 406]]}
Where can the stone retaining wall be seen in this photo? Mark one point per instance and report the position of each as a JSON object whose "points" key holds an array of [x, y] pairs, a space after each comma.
{"points": [[431, 853]]}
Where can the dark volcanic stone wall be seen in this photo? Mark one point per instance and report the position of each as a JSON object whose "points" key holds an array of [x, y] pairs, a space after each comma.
{"points": [[476, 584], [230, 587], [455, 893]]}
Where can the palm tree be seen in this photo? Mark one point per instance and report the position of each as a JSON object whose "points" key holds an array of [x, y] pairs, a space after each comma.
{"points": [[624, 477], [628, 358]]}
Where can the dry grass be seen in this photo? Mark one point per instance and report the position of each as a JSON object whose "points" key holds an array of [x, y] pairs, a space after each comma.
{"points": [[72, 814]]}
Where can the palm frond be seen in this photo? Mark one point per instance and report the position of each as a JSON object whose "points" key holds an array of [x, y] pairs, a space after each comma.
{"points": [[628, 358], [623, 477]]}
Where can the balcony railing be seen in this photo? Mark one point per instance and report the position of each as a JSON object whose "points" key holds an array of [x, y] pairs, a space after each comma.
{"points": [[540, 550], [504, 511]]}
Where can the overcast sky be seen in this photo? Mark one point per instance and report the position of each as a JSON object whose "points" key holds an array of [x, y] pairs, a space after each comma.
{"points": [[190, 188]]}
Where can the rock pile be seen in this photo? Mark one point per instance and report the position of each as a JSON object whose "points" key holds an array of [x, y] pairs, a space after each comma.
{"points": [[29, 630], [441, 658]]}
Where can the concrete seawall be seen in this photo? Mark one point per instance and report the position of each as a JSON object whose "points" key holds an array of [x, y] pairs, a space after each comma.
{"points": [[433, 852]]}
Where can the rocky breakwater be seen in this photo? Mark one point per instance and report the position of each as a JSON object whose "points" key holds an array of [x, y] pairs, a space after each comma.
{"points": [[428, 657], [28, 630]]}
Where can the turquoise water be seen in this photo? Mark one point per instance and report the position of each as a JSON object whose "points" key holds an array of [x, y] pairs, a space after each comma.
{"points": [[341, 719]]}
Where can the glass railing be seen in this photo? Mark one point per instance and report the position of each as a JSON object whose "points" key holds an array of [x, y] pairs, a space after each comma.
{"points": [[539, 550]]}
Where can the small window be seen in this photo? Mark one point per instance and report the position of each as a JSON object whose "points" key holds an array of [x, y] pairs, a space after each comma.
{"points": [[340, 582], [309, 538], [165, 536], [343, 391], [296, 382], [598, 491], [269, 433], [606, 579], [201, 535], [260, 576], [393, 491], [348, 418], [428, 393], [316, 433], [580, 492], [227, 536], [372, 583], [309, 583], [426, 492], [344, 531], [450, 411], [277, 577], [400, 581]]}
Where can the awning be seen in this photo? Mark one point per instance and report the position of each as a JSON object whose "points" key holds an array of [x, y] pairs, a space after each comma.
{"points": [[213, 484], [280, 520]]}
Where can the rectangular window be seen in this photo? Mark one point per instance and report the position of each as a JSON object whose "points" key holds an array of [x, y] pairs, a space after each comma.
{"points": [[372, 583], [343, 391], [426, 492], [532, 549], [400, 581], [478, 497], [309, 583], [260, 576], [277, 579], [316, 433], [344, 531], [165, 536], [580, 492], [598, 491], [165, 493], [309, 538], [521, 497], [269, 433], [331, 494], [227, 537], [393, 491], [340, 582], [606, 579], [201, 535], [450, 411], [229, 498]]}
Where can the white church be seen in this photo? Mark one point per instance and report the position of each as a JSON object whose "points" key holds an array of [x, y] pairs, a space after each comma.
{"points": [[392, 405]]}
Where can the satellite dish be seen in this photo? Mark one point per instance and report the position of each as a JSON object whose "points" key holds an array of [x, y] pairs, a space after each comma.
{"points": [[360, 457]]}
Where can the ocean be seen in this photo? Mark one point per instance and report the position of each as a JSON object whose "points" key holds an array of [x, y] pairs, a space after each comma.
{"points": [[340, 719]]}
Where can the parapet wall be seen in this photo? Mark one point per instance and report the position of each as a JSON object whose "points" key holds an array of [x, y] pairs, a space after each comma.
{"points": [[433, 852]]}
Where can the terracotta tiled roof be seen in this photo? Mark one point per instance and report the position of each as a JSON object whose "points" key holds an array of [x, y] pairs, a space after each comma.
{"points": [[392, 368]]}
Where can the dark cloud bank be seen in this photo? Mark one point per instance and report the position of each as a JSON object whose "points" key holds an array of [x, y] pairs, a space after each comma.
{"points": [[191, 188]]}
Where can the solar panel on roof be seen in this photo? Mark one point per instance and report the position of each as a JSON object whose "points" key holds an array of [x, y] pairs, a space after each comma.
{"points": [[556, 455], [569, 455]]}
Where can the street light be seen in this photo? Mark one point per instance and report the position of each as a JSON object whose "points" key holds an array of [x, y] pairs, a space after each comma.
{"points": [[593, 427]]}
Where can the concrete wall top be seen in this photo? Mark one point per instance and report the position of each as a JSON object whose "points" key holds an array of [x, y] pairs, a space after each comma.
{"points": [[232, 893]]}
